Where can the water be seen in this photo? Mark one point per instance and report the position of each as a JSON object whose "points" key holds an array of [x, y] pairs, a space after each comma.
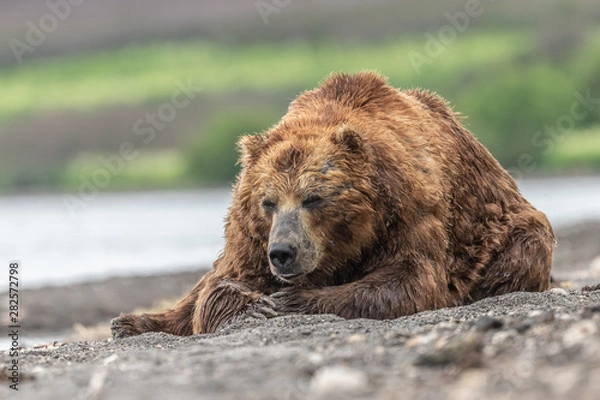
{"points": [[156, 232], [564, 200], [115, 234]]}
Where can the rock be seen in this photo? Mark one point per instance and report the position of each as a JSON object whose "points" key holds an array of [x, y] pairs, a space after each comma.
{"points": [[524, 325], [421, 340], [579, 333], [464, 350], [471, 385], [337, 381], [560, 291], [315, 358], [488, 323], [500, 338], [534, 318], [589, 311], [357, 337], [590, 288]]}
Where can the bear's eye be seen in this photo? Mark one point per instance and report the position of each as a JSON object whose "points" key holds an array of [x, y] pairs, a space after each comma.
{"points": [[268, 205], [312, 201]]}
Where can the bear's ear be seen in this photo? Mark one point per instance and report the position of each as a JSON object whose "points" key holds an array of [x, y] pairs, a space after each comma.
{"points": [[251, 147], [349, 138]]}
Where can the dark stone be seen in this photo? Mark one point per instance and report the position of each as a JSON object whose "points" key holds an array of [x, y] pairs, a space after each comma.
{"points": [[488, 323]]}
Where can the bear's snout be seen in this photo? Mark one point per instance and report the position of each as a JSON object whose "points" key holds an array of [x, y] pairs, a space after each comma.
{"points": [[282, 256]]}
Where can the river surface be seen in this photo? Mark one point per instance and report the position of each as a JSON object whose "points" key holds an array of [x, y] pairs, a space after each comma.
{"points": [[157, 232]]}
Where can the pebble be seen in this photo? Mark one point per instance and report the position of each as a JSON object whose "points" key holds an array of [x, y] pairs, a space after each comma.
{"points": [[335, 380], [488, 323], [357, 337], [469, 385], [463, 348], [421, 340], [545, 316], [524, 325], [590, 310], [500, 337], [579, 332], [315, 358], [560, 291], [396, 335]]}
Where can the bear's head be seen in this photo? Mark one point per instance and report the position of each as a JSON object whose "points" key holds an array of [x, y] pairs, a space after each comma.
{"points": [[308, 192]]}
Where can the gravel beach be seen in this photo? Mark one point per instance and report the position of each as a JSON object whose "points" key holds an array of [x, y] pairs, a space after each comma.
{"points": [[537, 345]]}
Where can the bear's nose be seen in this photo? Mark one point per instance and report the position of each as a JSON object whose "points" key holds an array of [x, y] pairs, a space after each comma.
{"points": [[282, 255]]}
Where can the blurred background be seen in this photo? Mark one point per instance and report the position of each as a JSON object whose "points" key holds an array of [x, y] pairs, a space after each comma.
{"points": [[118, 119]]}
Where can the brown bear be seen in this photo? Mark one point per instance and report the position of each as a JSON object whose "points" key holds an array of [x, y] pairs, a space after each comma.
{"points": [[364, 201]]}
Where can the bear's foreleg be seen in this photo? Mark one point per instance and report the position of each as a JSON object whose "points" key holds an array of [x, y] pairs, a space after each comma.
{"points": [[213, 301], [386, 293], [223, 299]]}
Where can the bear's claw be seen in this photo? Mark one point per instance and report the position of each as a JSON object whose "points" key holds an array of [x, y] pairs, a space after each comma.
{"points": [[122, 326], [289, 300], [262, 308]]}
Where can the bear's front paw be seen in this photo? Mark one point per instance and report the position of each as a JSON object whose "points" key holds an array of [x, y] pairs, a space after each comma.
{"points": [[291, 300], [124, 325], [262, 308]]}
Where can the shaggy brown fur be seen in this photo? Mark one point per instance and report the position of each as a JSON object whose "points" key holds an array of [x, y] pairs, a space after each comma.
{"points": [[364, 201]]}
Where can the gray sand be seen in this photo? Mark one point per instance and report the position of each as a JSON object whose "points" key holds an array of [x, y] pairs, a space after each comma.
{"points": [[542, 345]]}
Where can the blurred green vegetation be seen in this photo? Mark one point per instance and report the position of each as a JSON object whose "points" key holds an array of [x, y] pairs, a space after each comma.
{"points": [[506, 86], [156, 169], [578, 149], [212, 157], [138, 74]]}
